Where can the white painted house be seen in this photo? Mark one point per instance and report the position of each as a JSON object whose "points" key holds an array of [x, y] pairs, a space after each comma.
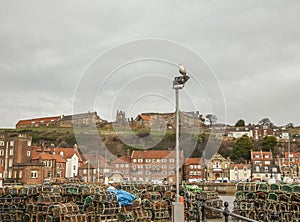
{"points": [[240, 172], [238, 134], [73, 159]]}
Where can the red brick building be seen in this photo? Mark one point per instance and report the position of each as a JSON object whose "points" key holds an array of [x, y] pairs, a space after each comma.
{"points": [[154, 165], [194, 169], [36, 122]]}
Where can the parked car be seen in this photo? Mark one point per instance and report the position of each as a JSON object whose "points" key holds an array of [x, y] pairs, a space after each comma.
{"points": [[222, 180]]}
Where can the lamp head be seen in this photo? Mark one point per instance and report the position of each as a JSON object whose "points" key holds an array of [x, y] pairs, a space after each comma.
{"points": [[182, 70]]}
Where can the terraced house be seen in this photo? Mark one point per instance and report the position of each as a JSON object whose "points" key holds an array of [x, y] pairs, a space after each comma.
{"points": [[154, 165]]}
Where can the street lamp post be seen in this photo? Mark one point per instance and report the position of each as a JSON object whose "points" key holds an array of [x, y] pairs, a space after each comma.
{"points": [[178, 83]]}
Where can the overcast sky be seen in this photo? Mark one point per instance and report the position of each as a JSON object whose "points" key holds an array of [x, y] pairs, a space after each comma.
{"points": [[48, 49]]}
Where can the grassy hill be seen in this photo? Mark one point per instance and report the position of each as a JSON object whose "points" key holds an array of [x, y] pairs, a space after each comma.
{"points": [[116, 142]]}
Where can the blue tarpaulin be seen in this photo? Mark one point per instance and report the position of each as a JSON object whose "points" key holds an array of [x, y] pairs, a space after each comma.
{"points": [[124, 198]]}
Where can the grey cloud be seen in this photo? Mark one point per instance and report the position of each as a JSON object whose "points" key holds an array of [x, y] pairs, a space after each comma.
{"points": [[253, 46]]}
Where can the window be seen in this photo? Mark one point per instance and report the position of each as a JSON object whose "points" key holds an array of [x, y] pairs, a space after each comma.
{"points": [[164, 173], [147, 172], [140, 172], [126, 171], [34, 174], [171, 172], [140, 166], [1, 143], [74, 167], [126, 165], [11, 143], [1, 162], [10, 162], [245, 168], [122, 165], [134, 160], [20, 174], [235, 168], [11, 152], [191, 166], [172, 160], [267, 162], [171, 166], [158, 160], [256, 156], [226, 165], [266, 169], [117, 165], [164, 160], [1, 152], [148, 166], [148, 160], [49, 174], [140, 160], [153, 160], [84, 171], [28, 153], [164, 166]]}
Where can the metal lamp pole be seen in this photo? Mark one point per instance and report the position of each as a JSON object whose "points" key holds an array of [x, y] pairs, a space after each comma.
{"points": [[178, 83]]}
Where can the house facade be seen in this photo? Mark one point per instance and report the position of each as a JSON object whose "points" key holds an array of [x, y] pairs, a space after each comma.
{"points": [[194, 169], [217, 167], [73, 160], [240, 172], [263, 167], [14, 152], [154, 165], [122, 165], [290, 165]]}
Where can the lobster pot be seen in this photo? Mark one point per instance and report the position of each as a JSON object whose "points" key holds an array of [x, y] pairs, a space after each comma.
{"points": [[169, 195], [142, 215], [161, 215], [105, 196], [126, 216], [159, 188], [47, 198], [149, 187], [152, 196], [110, 208], [160, 205], [146, 204]]}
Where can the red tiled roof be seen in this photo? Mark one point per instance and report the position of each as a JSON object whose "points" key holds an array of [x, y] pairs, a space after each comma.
{"points": [[295, 154], [145, 117], [122, 159], [67, 152], [59, 158], [38, 120], [240, 166], [194, 161], [154, 154], [261, 155], [47, 156]]}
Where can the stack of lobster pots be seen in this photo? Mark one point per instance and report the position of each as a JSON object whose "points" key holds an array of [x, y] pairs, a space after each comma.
{"points": [[194, 197], [87, 202], [260, 201], [151, 203]]}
